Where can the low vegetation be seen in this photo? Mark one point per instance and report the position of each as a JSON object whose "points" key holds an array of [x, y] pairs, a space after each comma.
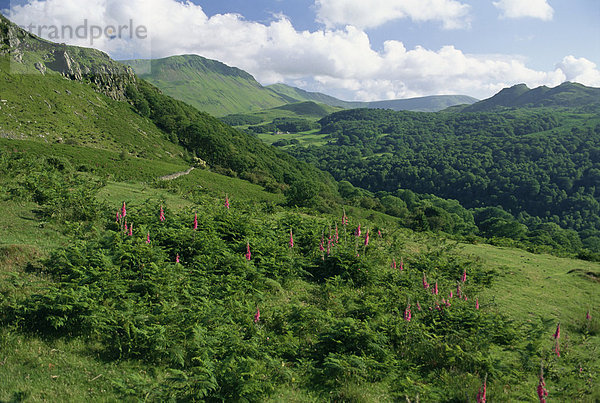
{"points": [[221, 296]]}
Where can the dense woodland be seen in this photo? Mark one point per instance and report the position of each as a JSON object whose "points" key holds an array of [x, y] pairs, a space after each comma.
{"points": [[527, 174]]}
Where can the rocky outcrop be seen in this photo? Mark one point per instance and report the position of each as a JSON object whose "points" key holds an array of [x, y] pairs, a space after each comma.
{"points": [[74, 63], [40, 67]]}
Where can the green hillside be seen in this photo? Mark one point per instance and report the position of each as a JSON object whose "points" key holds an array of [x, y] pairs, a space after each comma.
{"points": [[53, 110], [52, 105], [208, 85], [91, 312]]}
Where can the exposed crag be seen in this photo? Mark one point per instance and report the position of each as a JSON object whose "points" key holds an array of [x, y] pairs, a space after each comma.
{"points": [[30, 54]]}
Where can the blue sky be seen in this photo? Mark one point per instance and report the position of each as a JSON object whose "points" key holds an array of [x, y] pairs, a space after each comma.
{"points": [[354, 49], [574, 28]]}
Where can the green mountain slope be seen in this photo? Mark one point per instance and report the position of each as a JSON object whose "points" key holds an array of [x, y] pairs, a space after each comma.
{"points": [[566, 95], [93, 101], [62, 94], [432, 103], [208, 85]]}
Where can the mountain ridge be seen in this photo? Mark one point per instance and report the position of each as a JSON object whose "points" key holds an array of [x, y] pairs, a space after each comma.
{"points": [[214, 87], [430, 103], [565, 95]]}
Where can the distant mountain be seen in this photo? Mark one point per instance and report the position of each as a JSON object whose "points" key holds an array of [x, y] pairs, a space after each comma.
{"points": [[214, 87], [298, 95], [208, 85], [566, 95], [432, 103]]}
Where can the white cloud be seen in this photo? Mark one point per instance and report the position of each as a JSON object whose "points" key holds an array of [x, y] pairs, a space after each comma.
{"points": [[373, 13], [580, 70], [340, 62], [525, 8]]}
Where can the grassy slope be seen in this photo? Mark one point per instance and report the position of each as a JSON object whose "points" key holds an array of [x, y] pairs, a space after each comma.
{"points": [[105, 163], [74, 112], [527, 284], [208, 85]]}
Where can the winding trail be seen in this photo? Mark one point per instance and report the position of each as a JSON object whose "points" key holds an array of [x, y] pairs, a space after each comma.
{"points": [[175, 175]]}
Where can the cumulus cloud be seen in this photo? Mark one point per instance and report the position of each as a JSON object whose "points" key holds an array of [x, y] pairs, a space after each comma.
{"points": [[525, 8], [580, 70], [339, 61], [373, 13]]}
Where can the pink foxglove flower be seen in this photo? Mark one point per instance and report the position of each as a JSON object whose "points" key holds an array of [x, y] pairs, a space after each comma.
{"points": [[379, 233], [425, 283], [248, 254], [481, 396], [161, 216], [257, 315], [458, 290], [227, 202], [195, 221], [344, 218], [435, 289], [118, 216], [557, 333], [418, 306], [177, 258], [148, 238], [393, 264], [477, 303], [131, 229], [588, 316], [401, 264], [322, 244], [557, 349], [541, 389], [407, 314], [451, 295], [125, 228], [329, 241], [291, 239], [464, 276], [367, 239], [123, 210], [337, 235], [358, 231]]}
